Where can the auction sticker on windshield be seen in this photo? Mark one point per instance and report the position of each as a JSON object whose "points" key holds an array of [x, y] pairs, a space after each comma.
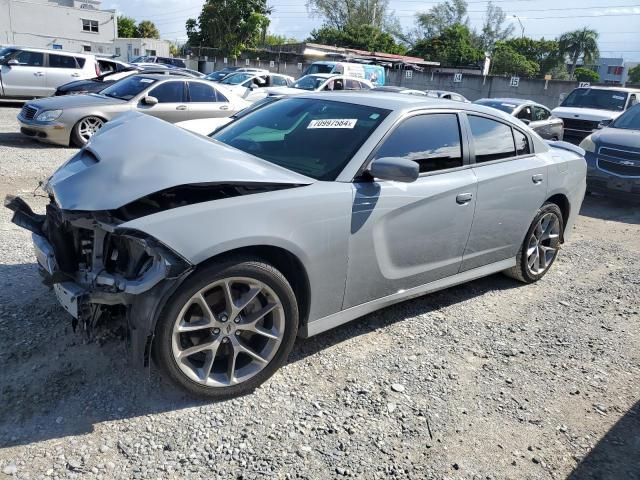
{"points": [[333, 123]]}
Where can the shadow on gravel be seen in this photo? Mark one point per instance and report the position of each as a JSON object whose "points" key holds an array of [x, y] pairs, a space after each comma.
{"points": [[617, 455], [54, 384], [606, 208], [18, 140]]}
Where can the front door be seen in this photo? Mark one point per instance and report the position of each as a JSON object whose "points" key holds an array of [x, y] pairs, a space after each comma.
{"points": [[172, 102], [512, 185], [408, 234], [26, 79]]}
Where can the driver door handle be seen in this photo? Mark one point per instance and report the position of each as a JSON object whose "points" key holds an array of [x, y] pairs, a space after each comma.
{"points": [[181, 107], [464, 198]]}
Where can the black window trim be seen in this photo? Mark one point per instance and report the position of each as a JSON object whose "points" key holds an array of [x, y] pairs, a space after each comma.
{"points": [[151, 88], [464, 144], [471, 145]]}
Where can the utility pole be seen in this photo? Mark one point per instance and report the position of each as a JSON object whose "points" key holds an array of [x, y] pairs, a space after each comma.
{"points": [[521, 25]]}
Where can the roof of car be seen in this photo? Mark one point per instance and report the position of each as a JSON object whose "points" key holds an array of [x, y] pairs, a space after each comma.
{"points": [[514, 101], [51, 50], [614, 89]]}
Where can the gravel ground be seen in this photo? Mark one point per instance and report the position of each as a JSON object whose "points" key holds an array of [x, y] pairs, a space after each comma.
{"points": [[488, 380]]}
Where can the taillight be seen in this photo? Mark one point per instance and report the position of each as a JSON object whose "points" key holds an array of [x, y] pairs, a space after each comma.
{"points": [[97, 70]]}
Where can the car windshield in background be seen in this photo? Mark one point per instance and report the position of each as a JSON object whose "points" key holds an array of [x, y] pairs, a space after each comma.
{"points": [[309, 82], [237, 78], [504, 106], [128, 88], [595, 98], [316, 138], [320, 68], [6, 51], [630, 120], [216, 76]]}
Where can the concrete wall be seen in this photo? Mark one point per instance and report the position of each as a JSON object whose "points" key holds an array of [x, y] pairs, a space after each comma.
{"points": [[44, 24]]}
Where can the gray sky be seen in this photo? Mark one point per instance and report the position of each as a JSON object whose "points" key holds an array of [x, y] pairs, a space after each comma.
{"points": [[618, 21]]}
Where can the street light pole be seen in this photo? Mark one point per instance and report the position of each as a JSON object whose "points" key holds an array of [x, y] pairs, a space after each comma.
{"points": [[521, 25]]}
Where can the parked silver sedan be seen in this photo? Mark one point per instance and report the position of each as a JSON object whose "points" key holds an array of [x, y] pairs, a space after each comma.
{"points": [[301, 216], [537, 116], [76, 118]]}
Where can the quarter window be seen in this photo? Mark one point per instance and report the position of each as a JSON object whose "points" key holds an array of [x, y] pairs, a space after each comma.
{"points": [[30, 59], [89, 25], [432, 141], [169, 92], [522, 142], [199, 92], [61, 61], [492, 140]]}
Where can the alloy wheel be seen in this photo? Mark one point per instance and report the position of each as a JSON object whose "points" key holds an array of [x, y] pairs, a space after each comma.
{"points": [[543, 244], [227, 332], [88, 127]]}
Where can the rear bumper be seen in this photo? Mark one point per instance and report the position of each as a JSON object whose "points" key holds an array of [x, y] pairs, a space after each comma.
{"points": [[55, 133]]}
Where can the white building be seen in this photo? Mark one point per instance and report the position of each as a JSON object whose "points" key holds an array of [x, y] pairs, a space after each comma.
{"points": [[129, 48], [71, 25]]}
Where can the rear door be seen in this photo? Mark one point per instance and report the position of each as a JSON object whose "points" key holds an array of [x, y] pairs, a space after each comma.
{"points": [[512, 185], [408, 234], [61, 69], [27, 78], [172, 102], [206, 102]]}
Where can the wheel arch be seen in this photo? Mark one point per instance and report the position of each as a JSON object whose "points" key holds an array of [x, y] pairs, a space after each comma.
{"points": [[563, 204]]}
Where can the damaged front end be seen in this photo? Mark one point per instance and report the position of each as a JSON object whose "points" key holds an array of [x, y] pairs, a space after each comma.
{"points": [[100, 270]]}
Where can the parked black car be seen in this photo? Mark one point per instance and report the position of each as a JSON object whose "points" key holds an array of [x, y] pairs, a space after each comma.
{"points": [[537, 116], [613, 157], [95, 85]]}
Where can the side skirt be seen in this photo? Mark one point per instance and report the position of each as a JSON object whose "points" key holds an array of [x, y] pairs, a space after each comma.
{"points": [[344, 316]]}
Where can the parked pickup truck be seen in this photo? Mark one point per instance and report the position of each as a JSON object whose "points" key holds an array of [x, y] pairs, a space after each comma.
{"points": [[585, 108]]}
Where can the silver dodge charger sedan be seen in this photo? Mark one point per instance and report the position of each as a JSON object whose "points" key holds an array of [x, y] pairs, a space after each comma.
{"points": [[301, 216], [76, 118]]}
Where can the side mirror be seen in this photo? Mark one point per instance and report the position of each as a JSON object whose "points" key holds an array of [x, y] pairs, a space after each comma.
{"points": [[394, 168], [604, 123], [12, 62], [150, 101]]}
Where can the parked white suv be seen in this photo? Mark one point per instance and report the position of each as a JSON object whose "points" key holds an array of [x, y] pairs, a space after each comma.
{"points": [[33, 72]]}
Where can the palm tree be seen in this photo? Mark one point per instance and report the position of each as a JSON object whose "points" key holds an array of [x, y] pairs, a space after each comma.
{"points": [[579, 43]]}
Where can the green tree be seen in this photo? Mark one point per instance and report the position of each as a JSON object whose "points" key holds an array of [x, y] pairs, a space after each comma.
{"points": [[586, 75], [579, 44], [273, 39], [441, 17], [506, 61], [453, 47], [147, 29], [174, 50], [634, 74], [126, 27], [363, 37], [229, 25], [545, 53], [494, 28]]}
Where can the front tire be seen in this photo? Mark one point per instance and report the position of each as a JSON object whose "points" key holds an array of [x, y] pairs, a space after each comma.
{"points": [[227, 329], [540, 246], [86, 128]]}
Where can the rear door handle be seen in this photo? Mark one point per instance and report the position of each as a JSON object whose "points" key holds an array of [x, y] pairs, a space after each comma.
{"points": [[38, 74], [75, 75], [181, 107], [464, 198], [537, 179], [224, 107]]}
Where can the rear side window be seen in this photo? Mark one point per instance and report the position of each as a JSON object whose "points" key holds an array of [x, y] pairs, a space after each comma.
{"points": [[169, 92], [540, 113], [30, 59], [352, 84], [492, 140], [279, 81], [61, 61], [433, 141], [199, 92]]}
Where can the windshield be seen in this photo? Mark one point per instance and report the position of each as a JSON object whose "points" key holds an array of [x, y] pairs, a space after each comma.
{"points": [[6, 51], [128, 88], [504, 106], [313, 137], [309, 82], [320, 68], [595, 98], [237, 78], [630, 120], [215, 76]]}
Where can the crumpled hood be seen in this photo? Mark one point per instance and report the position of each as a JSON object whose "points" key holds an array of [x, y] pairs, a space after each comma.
{"points": [[591, 114], [136, 155], [618, 137], [66, 102]]}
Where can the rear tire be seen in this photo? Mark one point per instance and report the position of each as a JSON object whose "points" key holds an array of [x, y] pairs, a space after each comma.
{"points": [[227, 346], [540, 246]]}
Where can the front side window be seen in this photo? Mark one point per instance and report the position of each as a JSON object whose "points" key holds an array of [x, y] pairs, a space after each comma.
{"points": [[129, 87], [169, 92], [237, 79], [492, 140], [61, 61], [313, 137], [526, 114], [351, 84], [540, 113], [432, 141], [199, 92], [30, 59], [90, 26]]}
